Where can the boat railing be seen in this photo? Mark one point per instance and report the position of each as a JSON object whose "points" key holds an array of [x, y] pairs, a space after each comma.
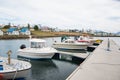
{"points": [[18, 66]]}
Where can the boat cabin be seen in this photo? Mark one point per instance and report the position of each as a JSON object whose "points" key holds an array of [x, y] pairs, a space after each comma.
{"points": [[69, 41], [37, 43]]}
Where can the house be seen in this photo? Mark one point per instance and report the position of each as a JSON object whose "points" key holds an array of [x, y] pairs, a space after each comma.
{"points": [[12, 31], [100, 33], [45, 28], [25, 31], [118, 33], [1, 32]]}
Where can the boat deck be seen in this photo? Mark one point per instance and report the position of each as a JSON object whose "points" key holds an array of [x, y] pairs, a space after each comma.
{"points": [[16, 69], [15, 64]]}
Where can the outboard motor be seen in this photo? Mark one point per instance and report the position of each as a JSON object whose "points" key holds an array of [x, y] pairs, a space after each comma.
{"points": [[22, 46]]}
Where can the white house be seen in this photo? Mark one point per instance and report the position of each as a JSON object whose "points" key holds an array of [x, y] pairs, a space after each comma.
{"points": [[25, 31], [101, 33], [15, 33], [12, 31], [1, 32]]}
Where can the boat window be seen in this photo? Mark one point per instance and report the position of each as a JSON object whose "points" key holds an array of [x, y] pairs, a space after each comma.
{"points": [[41, 44], [69, 41], [32, 45], [37, 44]]}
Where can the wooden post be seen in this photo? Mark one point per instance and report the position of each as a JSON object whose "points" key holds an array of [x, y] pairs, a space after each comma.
{"points": [[9, 59], [108, 45]]}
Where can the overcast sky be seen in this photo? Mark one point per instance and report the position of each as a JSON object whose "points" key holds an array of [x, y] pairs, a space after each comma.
{"points": [[72, 14]]}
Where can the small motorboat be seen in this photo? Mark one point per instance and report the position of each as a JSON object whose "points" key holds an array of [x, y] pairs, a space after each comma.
{"points": [[13, 69], [37, 50], [86, 39], [70, 44]]}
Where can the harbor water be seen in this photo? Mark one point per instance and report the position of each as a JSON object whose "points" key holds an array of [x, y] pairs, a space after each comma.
{"points": [[54, 69]]}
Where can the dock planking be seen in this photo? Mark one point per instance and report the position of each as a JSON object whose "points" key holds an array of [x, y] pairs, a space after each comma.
{"points": [[102, 64]]}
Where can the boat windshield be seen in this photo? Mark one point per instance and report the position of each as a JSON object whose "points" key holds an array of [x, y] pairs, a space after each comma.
{"points": [[69, 41], [37, 44]]}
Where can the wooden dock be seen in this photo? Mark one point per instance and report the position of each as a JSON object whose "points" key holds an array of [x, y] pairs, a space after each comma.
{"points": [[81, 55], [102, 64]]}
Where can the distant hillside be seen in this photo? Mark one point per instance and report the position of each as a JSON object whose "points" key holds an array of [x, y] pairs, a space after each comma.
{"points": [[118, 33]]}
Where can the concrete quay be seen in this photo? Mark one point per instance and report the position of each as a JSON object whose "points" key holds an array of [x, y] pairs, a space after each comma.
{"points": [[102, 64]]}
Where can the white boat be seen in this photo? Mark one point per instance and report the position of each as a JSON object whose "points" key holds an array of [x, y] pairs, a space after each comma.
{"points": [[16, 69], [70, 44], [37, 50], [87, 39]]}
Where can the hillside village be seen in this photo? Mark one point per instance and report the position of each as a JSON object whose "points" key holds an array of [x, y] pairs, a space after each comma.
{"points": [[30, 30]]}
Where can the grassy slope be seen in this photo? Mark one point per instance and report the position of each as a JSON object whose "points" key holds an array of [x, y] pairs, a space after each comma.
{"points": [[40, 34], [53, 34]]}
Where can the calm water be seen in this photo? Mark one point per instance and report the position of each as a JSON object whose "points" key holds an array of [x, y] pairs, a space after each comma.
{"points": [[55, 69]]}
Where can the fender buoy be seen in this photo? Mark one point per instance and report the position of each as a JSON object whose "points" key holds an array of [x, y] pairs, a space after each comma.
{"points": [[22, 46], [83, 41], [1, 76]]}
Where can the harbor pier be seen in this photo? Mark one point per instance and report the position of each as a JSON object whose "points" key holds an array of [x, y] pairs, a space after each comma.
{"points": [[101, 64], [81, 55]]}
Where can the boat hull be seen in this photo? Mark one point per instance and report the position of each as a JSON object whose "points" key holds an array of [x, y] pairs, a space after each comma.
{"points": [[16, 74], [16, 69], [35, 56], [68, 46], [30, 53]]}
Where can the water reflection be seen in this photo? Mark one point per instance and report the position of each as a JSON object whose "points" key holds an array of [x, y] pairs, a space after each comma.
{"points": [[50, 69], [54, 69], [68, 58], [41, 70]]}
